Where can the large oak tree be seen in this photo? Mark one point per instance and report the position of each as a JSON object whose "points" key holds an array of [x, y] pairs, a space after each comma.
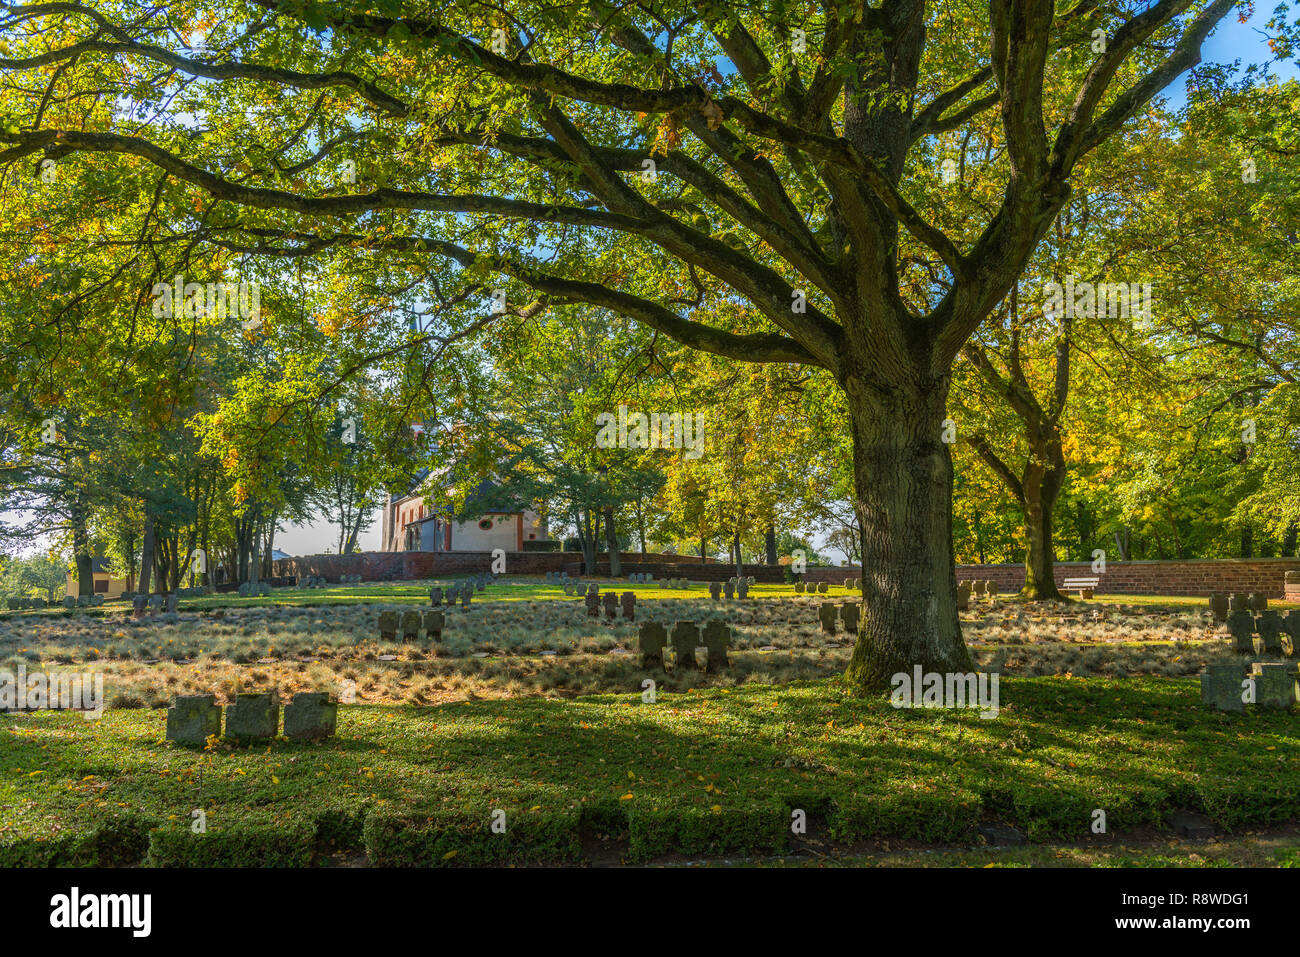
{"points": [[755, 181]]}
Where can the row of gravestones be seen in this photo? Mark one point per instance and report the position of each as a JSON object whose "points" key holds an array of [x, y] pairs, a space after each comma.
{"points": [[732, 588], [15, 604], [612, 602], [1221, 603], [153, 604], [1228, 687], [640, 578], [557, 578], [254, 590], [831, 614], [580, 589], [83, 601], [252, 719], [676, 584], [853, 584], [349, 579], [317, 581], [686, 641], [812, 588], [409, 624], [1269, 625], [462, 592]]}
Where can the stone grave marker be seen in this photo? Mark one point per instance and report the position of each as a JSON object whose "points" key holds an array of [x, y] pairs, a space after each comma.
{"points": [[388, 626], [1291, 625], [568, 588], [1275, 684], [69, 602], [1258, 601], [593, 604], [651, 641], [742, 588], [610, 601], [829, 616], [1241, 625], [686, 638], [798, 588], [435, 597], [155, 604], [411, 626], [434, 622], [729, 588], [715, 590], [717, 637], [1221, 687], [311, 715], [849, 613], [192, 718], [253, 718], [1237, 602], [628, 602], [138, 604], [1269, 627], [963, 596], [1219, 605], [173, 603], [466, 596]]}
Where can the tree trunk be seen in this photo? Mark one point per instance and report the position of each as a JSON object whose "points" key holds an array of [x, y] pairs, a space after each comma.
{"points": [[770, 542], [735, 550], [1042, 487], [903, 478], [611, 544], [146, 553]]}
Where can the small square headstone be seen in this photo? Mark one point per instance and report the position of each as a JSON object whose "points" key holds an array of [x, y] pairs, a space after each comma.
{"points": [[253, 718], [311, 716], [193, 718]]}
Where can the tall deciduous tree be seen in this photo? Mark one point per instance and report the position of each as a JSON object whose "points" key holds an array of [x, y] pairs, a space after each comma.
{"points": [[660, 161]]}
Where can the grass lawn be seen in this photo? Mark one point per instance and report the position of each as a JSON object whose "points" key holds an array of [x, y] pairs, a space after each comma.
{"points": [[711, 772]]}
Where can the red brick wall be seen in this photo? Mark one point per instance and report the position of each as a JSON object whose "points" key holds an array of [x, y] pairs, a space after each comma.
{"points": [[1120, 578], [405, 566]]}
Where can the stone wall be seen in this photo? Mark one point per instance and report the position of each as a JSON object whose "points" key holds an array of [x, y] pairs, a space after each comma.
{"points": [[1191, 577], [407, 566]]}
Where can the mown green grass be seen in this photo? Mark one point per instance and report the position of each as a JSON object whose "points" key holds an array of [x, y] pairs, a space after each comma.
{"points": [[702, 773]]}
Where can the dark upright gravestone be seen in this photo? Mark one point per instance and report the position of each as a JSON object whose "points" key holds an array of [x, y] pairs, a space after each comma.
{"points": [[823, 588], [849, 613], [138, 604], [798, 588], [686, 638], [253, 718], [1258, 601], [1238, 602], [311, 715], [729, 588], [1269, 627], [963, 596], [715, 589], [193, 718], [388, 626], [828, 614], [173, 603], [1219, 605], [651, 641], [1291, 625], [411, 626], [717, 636], [434, 623], [593, 604], [435, 597], [1241, 625], [610, 601], [466, 595], [628, 603], [742, 588]]}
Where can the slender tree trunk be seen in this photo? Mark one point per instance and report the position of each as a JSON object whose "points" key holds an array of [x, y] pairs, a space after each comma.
{"points": [[611, 544], [903, 477], [770, 543], [735, 548], [81, 548], [1042, 487], [146, 553]]}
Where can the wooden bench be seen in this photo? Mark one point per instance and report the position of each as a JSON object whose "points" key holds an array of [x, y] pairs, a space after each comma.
{"points": [[1084, 586]]}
